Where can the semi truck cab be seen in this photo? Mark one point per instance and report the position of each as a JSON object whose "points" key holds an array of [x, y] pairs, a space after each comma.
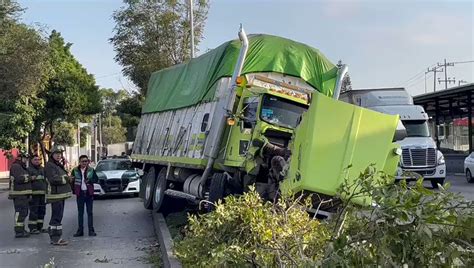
{"points": [[419, 152], [420, 156]]}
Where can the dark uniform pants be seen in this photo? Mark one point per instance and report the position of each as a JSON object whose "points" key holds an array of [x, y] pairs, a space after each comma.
{"points": [[21, 212], [55, 226], [85, 199], [37, 211]]}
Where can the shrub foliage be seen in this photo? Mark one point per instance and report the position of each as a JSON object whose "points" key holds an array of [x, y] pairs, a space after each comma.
{"points": [[406, 226]]}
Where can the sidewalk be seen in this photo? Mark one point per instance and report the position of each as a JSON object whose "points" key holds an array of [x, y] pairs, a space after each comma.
{"points": [[4, 184]]}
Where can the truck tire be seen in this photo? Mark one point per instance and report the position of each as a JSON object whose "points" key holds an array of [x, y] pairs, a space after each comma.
{"points": [[149, 181], [217, 189], [159, 197], [469, 177], [435, 182]]}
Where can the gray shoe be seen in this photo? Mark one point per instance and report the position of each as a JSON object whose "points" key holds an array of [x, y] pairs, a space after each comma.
{"points": [[34, 231], [22, 235]]}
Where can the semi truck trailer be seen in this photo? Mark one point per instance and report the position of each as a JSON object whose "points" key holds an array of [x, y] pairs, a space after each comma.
{"points": [[263, 111], [420, 156]]}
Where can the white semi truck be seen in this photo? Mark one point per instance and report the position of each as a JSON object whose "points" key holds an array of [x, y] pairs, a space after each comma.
{"points": [[420, 155]]}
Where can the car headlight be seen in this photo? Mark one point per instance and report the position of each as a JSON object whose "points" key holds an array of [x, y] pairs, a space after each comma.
{"points": [[133, 178], [441, 159]]}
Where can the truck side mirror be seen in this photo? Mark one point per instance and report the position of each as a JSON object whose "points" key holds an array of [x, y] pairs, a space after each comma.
{"points": [[400, 132]]}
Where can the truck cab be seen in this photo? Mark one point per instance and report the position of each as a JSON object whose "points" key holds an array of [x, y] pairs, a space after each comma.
{"points": [[420, 156]]}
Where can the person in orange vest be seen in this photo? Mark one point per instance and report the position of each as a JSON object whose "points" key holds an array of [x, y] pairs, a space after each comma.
{"points": [[20, 192]]}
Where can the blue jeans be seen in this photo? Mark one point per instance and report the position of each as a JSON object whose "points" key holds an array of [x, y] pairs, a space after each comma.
{"points": [[85, 199]]}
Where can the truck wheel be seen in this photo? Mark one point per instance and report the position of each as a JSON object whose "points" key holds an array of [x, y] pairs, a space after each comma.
{"points": [[217, 189], [469, 177], [149, 187], [159, 198], [435, 182]]}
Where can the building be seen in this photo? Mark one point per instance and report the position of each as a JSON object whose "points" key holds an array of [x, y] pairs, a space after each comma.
{"points": [[451, 122], [6, 162]]}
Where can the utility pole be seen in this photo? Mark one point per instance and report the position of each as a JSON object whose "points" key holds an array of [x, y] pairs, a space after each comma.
{"points": [[78, 140], [448, 80], [425, 82], [446, 64], [191, 21], [434, 70], [100, 133], [95, 139], [461, 82]]}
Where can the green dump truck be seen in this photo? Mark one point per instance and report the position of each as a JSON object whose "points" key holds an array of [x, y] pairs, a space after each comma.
{"points": [[260, 111]]}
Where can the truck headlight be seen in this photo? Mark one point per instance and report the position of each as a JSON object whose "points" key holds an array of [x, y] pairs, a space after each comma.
{"points": [[441, 159]]}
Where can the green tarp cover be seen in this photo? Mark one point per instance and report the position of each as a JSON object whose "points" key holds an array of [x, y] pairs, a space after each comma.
{"points": [[193, 82]]}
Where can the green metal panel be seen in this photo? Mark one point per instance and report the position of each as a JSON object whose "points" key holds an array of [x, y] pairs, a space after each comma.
{"points": [[334, 135]]}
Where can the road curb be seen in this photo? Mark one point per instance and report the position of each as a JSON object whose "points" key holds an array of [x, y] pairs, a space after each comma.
{"points": [[166, 243]]}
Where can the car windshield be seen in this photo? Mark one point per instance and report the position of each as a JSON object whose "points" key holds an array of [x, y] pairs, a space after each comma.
{"points": [[113, 165], [416, 128], [282, 112]]}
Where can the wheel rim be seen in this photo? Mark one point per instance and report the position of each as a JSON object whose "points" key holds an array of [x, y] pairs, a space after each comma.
{"points": [[158, 192], [148, 189]]}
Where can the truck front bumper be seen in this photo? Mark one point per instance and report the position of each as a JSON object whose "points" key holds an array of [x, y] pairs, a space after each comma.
{"points": [[438, 172]]}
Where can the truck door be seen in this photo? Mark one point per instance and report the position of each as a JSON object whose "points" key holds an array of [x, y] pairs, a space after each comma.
{"points": [[241, 132]]}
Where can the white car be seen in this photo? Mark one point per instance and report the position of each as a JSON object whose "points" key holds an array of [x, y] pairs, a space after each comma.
{"points": [[116, 176], [469, 168]]}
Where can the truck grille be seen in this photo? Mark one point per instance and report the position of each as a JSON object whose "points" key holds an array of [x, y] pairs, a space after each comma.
{"points": [[419, 157]]}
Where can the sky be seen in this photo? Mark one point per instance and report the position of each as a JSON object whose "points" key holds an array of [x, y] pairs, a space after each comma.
{"points": [[384, 43]]}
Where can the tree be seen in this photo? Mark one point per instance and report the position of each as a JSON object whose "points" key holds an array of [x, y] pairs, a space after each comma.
{"points": [[70, 93], [9, 11], [129, 111], [65, 133], [346, 81], [24, 68], [84, 132], [112, 130], [154, 34]]}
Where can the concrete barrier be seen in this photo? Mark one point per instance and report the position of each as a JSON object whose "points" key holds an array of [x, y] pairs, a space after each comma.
{"points": [[166, 243]]}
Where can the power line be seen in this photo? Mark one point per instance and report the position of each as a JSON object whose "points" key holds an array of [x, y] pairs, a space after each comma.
{"points": [[467, 61], [107, 75]]}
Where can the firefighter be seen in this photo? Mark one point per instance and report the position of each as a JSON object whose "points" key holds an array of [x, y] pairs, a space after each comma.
{"points": [[20, 192], [58, 191], [37, 201]]}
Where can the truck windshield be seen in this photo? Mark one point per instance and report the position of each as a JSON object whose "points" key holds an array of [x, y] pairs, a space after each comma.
{"points": [[281, 112], [416, 128]]}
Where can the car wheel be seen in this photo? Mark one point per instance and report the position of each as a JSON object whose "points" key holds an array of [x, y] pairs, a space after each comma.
{"points": [[469, 177], [435, 182], [149, 187], [217, 189], [159, 198]]}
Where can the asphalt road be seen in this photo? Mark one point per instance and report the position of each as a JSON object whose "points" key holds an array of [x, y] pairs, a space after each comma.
{"points": [[458, 185], [124, 234]]}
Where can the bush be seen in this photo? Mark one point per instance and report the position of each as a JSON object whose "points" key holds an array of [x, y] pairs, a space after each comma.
{"points": [[408, 226], [246, 231]]}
